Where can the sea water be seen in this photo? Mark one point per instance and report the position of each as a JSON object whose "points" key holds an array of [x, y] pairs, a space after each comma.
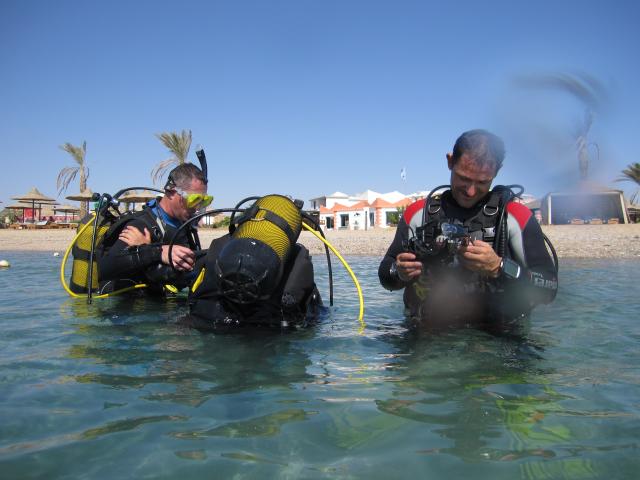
{"points": [[119, 389]]}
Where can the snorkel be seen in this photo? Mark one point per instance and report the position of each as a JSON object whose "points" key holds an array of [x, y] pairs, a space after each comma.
{"points": [[202, 158]]}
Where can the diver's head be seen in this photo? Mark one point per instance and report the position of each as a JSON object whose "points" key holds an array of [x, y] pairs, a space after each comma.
{"points": [[476, 159], [185, 192]]}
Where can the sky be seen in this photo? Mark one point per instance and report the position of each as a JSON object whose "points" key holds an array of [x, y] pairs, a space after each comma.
{"points": [[305, 98]]}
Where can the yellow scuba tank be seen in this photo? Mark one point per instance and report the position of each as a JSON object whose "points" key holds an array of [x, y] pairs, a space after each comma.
{"points": [[81, 252], [250, 266]]}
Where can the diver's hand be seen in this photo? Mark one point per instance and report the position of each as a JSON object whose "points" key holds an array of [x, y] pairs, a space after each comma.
{"points": [[133, 237], [408, 267], [183, 257], [479, 256]]}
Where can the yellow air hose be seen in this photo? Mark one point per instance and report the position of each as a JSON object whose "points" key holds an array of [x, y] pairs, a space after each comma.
{"points": [[353, 277], [64, 263]]}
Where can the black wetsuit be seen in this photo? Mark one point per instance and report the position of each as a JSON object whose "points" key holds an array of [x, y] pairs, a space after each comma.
{"points": [[120, 265], [448, 293], [294, 300]]}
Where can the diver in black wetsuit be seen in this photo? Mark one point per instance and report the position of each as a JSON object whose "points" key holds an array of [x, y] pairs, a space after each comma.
{"points": [[257, 275], [136, 250], [474, 255]]}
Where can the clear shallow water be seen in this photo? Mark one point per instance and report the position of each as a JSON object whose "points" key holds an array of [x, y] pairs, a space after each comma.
{"points": [[119, 390]]}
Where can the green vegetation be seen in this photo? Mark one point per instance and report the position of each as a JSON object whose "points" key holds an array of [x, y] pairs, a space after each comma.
{"points": [[178, 145], [68, 174], [632, 174]]}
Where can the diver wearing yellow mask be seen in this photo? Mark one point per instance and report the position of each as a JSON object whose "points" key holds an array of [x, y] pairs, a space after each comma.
{"points": [[136, 249]]}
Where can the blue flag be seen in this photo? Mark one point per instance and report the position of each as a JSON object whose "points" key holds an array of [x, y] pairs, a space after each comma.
{"points": [[403, 173]]}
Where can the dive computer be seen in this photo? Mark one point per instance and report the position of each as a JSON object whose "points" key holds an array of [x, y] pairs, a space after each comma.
{"points": [[509, 269]]}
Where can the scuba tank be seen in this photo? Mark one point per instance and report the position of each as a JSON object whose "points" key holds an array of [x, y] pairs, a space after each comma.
{"points": [[82, 253], [257, 274], [250, 266], [87, 246]]}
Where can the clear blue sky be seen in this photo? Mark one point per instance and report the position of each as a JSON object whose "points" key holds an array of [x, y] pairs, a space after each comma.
{"points": [[308, 97]]}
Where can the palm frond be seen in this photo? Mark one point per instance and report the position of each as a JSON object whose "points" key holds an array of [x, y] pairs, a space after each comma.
{"points": [[630, 174], [65, 177], [77, 153], [68, 174], [177, 143], [161, 168]]}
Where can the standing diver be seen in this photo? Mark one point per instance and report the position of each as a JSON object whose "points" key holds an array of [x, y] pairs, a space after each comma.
{"points": [[136, 247], [470, 255]]}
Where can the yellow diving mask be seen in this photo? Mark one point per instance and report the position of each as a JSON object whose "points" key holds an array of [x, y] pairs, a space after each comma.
{"points": [[195, 201]]}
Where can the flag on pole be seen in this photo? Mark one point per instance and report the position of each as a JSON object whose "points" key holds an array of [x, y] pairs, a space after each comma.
{"points": [[403, 173]]}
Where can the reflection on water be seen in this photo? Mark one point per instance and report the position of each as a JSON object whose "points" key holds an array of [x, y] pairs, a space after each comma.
{"points": [[120, 389]]}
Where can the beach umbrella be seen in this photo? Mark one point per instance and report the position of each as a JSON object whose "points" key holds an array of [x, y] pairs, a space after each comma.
{"points": [[15, 206], [66, 209], [34, 196], [137, 197], [83, 196]]}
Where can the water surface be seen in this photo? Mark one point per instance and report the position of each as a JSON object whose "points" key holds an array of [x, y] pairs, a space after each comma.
{"points": [[119, 389]]}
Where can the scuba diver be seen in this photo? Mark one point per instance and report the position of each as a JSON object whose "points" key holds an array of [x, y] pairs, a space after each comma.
{"points": [[470, 255], [257, 274], [135, 248]]}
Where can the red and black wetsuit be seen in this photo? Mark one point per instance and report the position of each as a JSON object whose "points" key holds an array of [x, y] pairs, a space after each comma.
{"points": [[446, 292]]}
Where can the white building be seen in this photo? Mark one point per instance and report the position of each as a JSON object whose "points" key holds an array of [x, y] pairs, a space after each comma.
{"points": [[361, 211]]}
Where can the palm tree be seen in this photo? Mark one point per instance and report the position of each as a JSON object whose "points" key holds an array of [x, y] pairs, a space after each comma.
{"points": [[178, 145], [68, 174], [631, 174], [588, 91]]}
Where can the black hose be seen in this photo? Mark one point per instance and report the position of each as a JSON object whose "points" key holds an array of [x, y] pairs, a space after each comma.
{"points": [[99, 213], [237, 208], [426, 204], [556, 264], [189, 222], [326, 250], [120, 192]]}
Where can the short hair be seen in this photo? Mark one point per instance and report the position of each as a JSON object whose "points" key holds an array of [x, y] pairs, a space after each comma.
{"points": [[483, 146], [183, 175]]}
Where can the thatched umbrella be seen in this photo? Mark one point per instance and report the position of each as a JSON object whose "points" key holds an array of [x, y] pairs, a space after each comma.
{"points": [[34, 196], [16, 206], [66, 209], [136, 197], [83, 196]]}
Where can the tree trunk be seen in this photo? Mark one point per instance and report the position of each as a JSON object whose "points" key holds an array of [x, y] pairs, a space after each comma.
{"points": [[84, 206]]}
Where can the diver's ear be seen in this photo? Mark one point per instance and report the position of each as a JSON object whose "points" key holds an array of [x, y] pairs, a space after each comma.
{"points": [[450, 160]]}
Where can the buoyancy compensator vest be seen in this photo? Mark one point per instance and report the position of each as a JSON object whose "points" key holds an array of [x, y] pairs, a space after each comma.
{"points": [[81, 251], [109, 224], [431, 232]]}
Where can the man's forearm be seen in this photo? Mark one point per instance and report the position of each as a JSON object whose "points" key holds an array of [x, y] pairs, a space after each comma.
{"points": [[123, 261]]}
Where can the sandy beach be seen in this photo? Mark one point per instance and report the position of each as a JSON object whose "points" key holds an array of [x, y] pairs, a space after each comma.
{"points": [[570, 241]]}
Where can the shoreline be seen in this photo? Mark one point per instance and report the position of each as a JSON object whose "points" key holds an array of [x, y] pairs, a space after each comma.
{"points": [[570, 241]]}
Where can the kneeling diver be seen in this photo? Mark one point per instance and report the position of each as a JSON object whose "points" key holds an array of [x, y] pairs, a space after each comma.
{"points": [[257, 275]]}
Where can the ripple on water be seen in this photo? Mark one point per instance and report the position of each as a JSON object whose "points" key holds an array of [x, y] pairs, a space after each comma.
{"points": [[119, 384]]}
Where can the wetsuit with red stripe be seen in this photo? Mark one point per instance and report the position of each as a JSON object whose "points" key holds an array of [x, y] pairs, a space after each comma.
{"points": [[448, 291]]}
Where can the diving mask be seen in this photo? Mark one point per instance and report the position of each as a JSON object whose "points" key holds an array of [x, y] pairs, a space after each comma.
{"points": [[195, 201]]}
